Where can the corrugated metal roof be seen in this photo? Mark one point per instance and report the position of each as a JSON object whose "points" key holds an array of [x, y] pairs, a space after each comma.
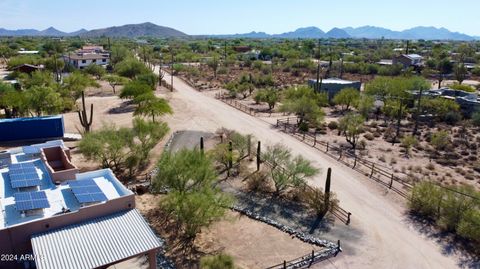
{"points": [[94, 243]]}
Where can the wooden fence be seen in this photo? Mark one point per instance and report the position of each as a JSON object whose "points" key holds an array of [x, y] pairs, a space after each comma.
{"points": [[235, 104], [368, 168], [342, 214], [308, 260]]}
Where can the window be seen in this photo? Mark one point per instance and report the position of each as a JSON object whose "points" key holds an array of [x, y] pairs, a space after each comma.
{"points": [[104, 60], [94, 60], [84, 61]]}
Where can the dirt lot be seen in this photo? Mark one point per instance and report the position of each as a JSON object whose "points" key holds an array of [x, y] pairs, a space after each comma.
{"points": [[239, 237]]}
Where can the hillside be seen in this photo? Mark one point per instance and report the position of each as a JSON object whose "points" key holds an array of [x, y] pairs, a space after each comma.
{"points": [[135, 30]]}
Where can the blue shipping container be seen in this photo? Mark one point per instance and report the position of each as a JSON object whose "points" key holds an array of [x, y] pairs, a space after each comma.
{"points": [[31, 128]]}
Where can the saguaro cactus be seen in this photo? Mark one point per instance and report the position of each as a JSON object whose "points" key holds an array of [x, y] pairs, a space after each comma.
{"points": [[85, 121], [327, 189]]}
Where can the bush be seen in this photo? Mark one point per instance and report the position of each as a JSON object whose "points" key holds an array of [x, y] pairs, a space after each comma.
{"points": [[369, 136], [258, 182], [476, 118], [333, 125], [462, 87], [314, 199], [425, 200], [220, 261], [452, 117]]}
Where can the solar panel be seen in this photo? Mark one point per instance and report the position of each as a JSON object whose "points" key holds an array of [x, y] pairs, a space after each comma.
{"points": [[31, 200], [31, 150], [23, 175], [87, 191]]}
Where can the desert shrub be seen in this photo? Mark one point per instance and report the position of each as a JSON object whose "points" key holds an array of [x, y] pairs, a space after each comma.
{"points": [[408, 142], [430, 166], [462, 87], [425, 200], [314, 199], [258, 182], [222, 70], [476, 118], [333, 125], [469, 227], [220, 261], [452, 117], [440, 140], [453, 208], [369, 136], [382, 158]]}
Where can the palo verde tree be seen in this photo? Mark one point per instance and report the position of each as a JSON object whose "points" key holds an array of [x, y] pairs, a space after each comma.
{"points": [[305, 103], [346, 98], [193, 200], [114, 81], [351, 126], [269, 96], [150, 105], [287, 171]]}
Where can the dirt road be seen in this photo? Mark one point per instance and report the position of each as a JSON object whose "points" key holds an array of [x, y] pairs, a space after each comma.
{"points": [[384, 236]]}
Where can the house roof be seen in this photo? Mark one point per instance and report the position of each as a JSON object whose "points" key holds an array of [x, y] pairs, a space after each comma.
{"points": [[413, 56], [86, 56], [96, 242]]}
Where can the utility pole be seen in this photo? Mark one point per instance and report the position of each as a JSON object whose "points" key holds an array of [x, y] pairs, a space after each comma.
{"points": [[171, 73], [317, 85], [417, 112], [398, 122]]}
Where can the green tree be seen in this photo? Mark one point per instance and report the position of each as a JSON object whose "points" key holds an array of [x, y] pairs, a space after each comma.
{"points": [[460, 73], [441, 107], [185, 171], [351, 126], [148, 134], [196, 210], [148, 78], [219, 261], [150, 105], [134, 88], [346, 98], [131, 68], [76, 83], [108, 145], [304, 103], [285, 170], [365, 105], [114, 81], [269, 96], [95, 70], [44, 100]]}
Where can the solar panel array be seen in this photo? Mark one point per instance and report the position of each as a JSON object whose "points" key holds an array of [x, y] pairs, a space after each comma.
{"points": [[31, 150], [23, 175], [31, 200], [87, 191]]}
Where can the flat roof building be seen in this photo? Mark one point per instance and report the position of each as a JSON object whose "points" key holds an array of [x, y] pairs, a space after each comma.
{"points": [[334, 85], [66, 219]]}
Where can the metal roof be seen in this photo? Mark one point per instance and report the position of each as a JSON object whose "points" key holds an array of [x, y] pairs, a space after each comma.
{"points": [[97, 242]]}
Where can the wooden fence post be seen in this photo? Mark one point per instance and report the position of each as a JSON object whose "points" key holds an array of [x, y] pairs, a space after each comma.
{"points": [[391, 182], [303, 138], [313, 257], [314, 140], [348, 217], [258, 155], [327, 147], [373, 168], [355, 162], [340, 157], [249, 149], [201, 144], [285, 127], [277, 122], [284, 264]]}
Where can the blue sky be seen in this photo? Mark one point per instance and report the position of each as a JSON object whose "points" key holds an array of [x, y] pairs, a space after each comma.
{"points": [[222, 17]]}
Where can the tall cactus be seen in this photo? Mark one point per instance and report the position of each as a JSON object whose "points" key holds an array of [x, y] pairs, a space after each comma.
{"points": [[82, 115], [327, 189]]}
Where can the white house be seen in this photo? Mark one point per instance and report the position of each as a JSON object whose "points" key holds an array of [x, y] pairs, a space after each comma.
{"points": [[82, 60]]}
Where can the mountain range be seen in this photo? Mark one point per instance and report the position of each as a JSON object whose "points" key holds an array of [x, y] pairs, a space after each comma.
{"points": [[153, 30], [369, 32]]}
